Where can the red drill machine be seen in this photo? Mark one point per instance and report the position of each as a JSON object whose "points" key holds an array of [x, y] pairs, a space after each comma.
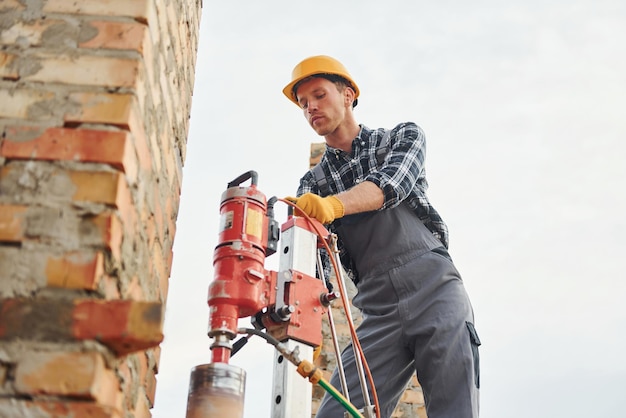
{"points": [[289, 304]]}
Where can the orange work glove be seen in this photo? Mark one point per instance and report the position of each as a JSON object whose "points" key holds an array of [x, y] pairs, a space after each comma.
{"points": [[324, 209]]}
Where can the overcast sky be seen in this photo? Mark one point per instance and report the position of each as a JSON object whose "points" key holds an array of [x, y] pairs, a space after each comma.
{"points": [[524, 108]]}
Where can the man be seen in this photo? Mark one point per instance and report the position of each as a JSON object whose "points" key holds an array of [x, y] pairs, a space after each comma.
{"points": [[417, 316]]}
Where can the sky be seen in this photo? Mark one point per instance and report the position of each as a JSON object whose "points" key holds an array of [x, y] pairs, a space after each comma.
{"points": [[524, 108]]}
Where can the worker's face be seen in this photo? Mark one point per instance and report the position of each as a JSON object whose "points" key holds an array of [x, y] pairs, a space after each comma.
{"points": [[323, 105]]}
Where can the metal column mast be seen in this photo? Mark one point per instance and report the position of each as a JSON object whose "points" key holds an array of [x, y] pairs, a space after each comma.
{"points": [[291, 395]]}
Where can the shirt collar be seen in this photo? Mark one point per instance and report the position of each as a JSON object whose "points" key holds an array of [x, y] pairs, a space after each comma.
{"points": [[358, 142]]}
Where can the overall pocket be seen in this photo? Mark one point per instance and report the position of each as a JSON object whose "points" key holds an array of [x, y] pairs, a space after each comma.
{"points": [[475, 341]]}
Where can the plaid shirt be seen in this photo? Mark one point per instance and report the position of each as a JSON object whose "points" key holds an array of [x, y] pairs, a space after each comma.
{"points": [[401, 177]]}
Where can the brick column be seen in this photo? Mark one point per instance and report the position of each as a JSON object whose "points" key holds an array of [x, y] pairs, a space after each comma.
{"points": [[412, 401], [94, 107]]}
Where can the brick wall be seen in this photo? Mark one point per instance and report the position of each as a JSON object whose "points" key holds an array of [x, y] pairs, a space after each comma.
{"points": [[411, 403], [94, 107]]}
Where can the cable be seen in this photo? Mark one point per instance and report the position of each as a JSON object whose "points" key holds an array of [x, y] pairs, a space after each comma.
{"points": [[345, 303], [333, 334], [270, 340]]}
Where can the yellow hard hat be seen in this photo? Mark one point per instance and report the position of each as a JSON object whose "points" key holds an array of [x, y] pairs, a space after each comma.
{"points": [[319, 64]]}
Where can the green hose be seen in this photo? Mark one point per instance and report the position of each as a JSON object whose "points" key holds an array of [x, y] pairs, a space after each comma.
{"points": [[340, 398]]}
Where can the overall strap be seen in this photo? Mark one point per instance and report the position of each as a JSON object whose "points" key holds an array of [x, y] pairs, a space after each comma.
{"points": [[321, 181], [383, 148], [381, 152]]}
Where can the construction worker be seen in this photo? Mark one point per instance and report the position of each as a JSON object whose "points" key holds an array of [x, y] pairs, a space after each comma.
{"points": [[370, 189]]}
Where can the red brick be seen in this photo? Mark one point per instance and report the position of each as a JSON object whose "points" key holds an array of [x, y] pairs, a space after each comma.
{"points": [[109, 188], [8, 69], [141, 364], [159, 270], [134, 290], [150, 228], [124, 326], [83, 145], [30, 32], [172, 167], [75, 270], [71, 374], [11, 5], [105, 108], [110, 230], [57, 409], [99, 187], [317, 150], [128, 384], [12, 219], [150, 387], [17, 104], [171, 156], [141, 140], [156, 353], [167, 89], [161, 25], [109, 288], [141, 408], [155, 148], [170, 259], [180, 34], [30, 319], [127, 211], [137, 9], [117, 35], [3, 374], [88, 70], [157, 210], [171, 213], [121, 325], [412, 396]]}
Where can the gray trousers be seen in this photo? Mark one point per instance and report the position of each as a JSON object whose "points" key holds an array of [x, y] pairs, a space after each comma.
{"points": [[417, 317]]}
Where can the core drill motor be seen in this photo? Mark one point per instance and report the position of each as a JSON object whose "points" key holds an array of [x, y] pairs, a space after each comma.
{"points": [[242, 287]]}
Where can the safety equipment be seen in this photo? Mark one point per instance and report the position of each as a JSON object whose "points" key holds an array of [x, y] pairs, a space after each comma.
{"points": [[319, 64], [324, 209]]}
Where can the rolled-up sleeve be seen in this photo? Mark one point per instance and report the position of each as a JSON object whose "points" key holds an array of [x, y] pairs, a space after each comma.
{"points": [[403, 166]]}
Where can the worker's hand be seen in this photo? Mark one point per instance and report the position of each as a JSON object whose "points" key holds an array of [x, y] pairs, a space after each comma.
{"points": [[324, 209]]}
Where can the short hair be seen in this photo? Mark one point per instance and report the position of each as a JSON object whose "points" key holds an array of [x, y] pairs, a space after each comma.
{"points": [[339, 81]]}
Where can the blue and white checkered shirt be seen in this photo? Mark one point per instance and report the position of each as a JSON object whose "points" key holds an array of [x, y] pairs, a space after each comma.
{"points": [[401, 177]]}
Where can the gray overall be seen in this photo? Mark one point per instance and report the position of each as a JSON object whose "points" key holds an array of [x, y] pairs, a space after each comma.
{"points": [[417, 317]]}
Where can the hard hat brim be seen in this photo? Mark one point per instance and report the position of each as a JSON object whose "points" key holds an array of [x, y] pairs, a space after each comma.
{"points": [[318, 66]]}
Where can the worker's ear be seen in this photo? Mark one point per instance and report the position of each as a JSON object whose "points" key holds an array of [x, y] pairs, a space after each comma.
{"points": [[349, 95]]}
